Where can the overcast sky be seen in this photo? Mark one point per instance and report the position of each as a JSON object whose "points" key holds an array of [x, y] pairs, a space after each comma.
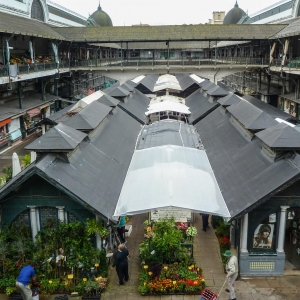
{"points": [[161, 12]]}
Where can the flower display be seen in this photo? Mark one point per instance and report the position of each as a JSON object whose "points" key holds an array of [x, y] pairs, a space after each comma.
{"points": [[191, 231], [167, 262]]}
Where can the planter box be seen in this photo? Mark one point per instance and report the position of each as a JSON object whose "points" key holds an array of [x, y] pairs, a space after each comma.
{"points": [[129, 228]]}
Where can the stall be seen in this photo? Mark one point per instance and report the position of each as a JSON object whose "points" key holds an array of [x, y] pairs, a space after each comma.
{"points": [[4, 134]]}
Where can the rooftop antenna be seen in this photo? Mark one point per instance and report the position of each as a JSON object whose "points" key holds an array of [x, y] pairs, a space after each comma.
{"points": [[99, 7]]}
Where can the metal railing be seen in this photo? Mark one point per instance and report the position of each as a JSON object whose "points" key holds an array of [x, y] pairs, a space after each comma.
{"points": [[144, 62], [150, 62]]}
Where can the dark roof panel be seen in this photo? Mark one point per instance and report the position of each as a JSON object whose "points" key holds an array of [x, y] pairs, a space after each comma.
{"points": [[119, 92], [230, 99], [185, 81], [98, 168], [89, 117], [250, 116], [217, 91], [199, 106], [60, 138], [280, 136], [148, 82], [108, 100], [136, 106], [244, 175], [269, 109]]}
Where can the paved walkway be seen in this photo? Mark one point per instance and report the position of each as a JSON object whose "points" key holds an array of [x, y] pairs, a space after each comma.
{"points": [[207, 256]]}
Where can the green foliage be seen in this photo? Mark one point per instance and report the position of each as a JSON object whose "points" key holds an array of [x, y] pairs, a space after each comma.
{"points": [[7, 173], [93, 226], [216, 221], [25, 160], [53, 244], [223, 230]]}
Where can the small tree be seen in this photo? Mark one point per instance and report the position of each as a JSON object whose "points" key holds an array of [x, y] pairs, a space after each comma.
{"points": [[7, 173]]}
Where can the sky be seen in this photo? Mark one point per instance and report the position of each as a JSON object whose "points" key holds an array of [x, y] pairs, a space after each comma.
{"points": [[161, 12]]}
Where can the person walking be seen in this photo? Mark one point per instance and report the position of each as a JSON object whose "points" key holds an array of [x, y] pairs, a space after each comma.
{"points": [[26, 275], [204, 221], [121, 229], [232, 272], [121, 263]]}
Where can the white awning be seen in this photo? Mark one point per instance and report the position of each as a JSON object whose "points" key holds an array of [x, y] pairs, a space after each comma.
{"points": [[167, 106], [167, 81], [170, 176]]}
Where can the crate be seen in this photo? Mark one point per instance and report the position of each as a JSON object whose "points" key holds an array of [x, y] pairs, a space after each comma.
{"points": [[208, 295]]}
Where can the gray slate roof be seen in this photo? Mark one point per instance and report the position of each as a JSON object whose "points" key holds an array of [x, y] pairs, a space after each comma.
{"points": [[199, 106], [185, 81], [19, 25], [89, 117], [168, 133], [230, 99], [290, 30], [207, 85], [281, 136], [269, 109], [148, 82], [119, 92], [97, 168], [136, 106], [217, 91], [60, 138], [244, 175], [108, 100], [116, 34], [250, 116]]}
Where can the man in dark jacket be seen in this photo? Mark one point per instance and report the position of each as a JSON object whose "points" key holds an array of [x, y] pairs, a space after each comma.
{"points": [[121, 263]]}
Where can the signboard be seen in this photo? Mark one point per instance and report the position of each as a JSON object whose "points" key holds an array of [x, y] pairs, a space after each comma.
{"points": [[180, 215]]}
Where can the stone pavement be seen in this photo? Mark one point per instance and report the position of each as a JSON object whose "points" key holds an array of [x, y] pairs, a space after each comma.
{"points": [[207, 256]]}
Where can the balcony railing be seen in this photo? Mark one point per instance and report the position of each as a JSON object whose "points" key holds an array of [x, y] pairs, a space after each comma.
{"points": [[142, 62], [150, 62]]}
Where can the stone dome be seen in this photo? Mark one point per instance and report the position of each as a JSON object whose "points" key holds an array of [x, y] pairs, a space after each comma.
{"points": [[101, 18], [234, 15]]}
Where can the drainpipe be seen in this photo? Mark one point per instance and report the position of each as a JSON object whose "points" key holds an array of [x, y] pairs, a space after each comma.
{"points": [[215, 76], [7, 58]]}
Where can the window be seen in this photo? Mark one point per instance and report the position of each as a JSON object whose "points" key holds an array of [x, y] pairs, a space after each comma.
{"points": [[48, 217], [37, 10]]}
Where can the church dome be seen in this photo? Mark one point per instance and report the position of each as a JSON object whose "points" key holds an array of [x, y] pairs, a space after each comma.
{"points": [[234, 15], [101, 18]]}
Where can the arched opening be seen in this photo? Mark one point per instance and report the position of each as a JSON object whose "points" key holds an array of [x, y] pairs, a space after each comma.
{"points": [[37, 11]]}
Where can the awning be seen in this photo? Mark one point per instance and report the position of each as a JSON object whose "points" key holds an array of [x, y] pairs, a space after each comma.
{"points": [[167, 106], [33, 112], [4, 122], [170, 176]]}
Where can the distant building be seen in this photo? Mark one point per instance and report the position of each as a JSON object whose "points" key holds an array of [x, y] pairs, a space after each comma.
{"points": [[217, 17], [234, 15]]}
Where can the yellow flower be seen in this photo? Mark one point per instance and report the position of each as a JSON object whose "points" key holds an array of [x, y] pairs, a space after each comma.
{"points": [[202, 280], [144, 283], [198, 269], [174, 282], [84, 279], [166, 267], [50, 281], [190, 268], [145, 267], [150, 273], [196, 282]]}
